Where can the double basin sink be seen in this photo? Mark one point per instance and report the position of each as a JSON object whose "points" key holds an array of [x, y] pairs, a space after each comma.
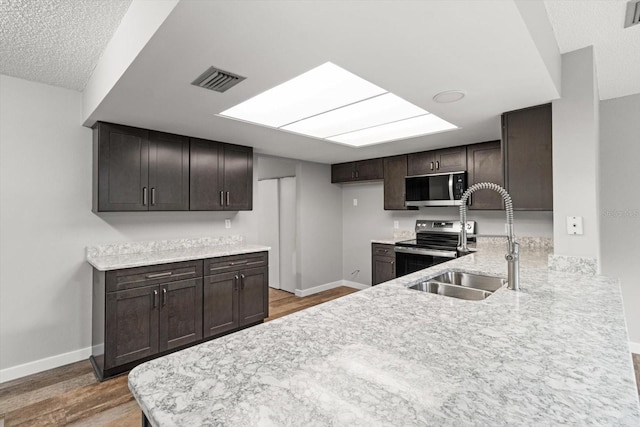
{"points": [[462, 285]]}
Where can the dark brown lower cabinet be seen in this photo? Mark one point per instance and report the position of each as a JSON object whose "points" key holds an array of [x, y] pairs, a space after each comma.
{"points": [[144, 312], [238, 298], [383, 263]]}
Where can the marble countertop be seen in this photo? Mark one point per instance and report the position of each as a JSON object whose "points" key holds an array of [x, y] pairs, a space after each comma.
{"points": [[127, 260], [554, 353]]}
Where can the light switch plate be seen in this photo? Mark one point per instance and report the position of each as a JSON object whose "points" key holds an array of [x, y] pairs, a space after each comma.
{"points": [[396, 225], [574, 225], [227, 223], [355, 202]]}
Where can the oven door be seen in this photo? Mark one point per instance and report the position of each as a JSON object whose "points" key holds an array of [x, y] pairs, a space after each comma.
{"points": [[412, 259]]}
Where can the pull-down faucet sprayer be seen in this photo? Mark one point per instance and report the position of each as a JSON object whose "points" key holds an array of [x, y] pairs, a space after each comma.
{"points": [[513, 248]]}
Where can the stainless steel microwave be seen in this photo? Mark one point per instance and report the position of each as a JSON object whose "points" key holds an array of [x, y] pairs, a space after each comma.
{"points": [[442, 189]]}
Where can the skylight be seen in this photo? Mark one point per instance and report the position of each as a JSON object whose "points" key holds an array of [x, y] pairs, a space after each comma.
{"points": [[330, 103]]}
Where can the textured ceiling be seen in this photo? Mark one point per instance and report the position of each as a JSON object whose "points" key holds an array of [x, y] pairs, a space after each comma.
{"points": [[57, 42], [581, 23]]}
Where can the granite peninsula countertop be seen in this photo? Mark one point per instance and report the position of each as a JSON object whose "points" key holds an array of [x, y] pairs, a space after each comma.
{"points": [[138, 254], [554, 353]]}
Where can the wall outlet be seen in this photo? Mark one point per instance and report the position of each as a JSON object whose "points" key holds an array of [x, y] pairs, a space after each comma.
{"points": [[396, 225], [227, 223], [574, 225], [355, 202]]}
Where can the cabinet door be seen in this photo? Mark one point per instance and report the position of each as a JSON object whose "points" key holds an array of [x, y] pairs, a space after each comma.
{"points": [[180, 313], [131, 325], [168, 172], [205, 176], [395, 169], [422, 163], [238, 178], [121, 168], [254, 295], [485, 165], [368, 170], [527, 148], [343, 172], [451, 159], [384, 269], [220, 312]]}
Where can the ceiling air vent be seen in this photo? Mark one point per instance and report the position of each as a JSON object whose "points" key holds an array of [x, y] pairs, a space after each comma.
{"points": [[633, 13], [217, 79]]}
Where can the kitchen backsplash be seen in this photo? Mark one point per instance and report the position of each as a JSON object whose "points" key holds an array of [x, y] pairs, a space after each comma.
{"points": [[161, 245]]}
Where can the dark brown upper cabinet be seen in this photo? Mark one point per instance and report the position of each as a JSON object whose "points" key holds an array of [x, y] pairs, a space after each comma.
{"points": [[527, 153], [395, 170], [139, 170], [221, 176], [484, 163], [363, 170], [437, 161]]}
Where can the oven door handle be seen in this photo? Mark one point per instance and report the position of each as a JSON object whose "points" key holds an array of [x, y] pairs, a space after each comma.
{"points": [[422, 251]]}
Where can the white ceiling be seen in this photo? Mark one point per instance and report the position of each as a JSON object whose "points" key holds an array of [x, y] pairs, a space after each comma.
{"points": [[414, 49], [579, 24], [57, 42]]}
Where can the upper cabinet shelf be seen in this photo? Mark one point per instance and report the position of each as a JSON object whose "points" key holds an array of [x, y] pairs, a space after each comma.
{"points": [[143, 170], [364, 170], [438, 161]]}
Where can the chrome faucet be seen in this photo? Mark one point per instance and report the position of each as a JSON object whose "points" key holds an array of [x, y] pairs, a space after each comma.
{"points": [[513, 248]]}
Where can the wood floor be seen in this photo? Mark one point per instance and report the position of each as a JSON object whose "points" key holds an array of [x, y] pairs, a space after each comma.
{"points": [[71, 396]]}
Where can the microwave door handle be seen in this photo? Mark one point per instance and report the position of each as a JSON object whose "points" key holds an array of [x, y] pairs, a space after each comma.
{"points": [[451, 187]]}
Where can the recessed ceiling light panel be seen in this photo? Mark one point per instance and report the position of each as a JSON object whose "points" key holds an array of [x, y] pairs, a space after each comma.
{"points": [[409, 128], [331, 103]]}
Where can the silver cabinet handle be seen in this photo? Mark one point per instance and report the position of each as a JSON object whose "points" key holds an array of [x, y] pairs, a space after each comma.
{"points": [[357, 174], [437, 164], [155, 298], [353, 174], [242, 277], [153, 196], [227, 198], [222, 198], [157, 275], [235, 282], [431, 166], [144, 196], [164, 296], [238, 262]]}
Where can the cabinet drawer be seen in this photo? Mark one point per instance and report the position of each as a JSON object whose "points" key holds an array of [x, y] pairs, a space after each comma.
{"points": [[234, 262], [381, 249], [129, 278]]}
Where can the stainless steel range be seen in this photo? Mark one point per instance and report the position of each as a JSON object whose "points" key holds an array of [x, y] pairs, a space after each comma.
{"points": [[436, 242]]}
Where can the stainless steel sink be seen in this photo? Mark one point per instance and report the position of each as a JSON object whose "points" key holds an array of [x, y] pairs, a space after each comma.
{"points": [[469, 280], [451, 290], [461, 285]]}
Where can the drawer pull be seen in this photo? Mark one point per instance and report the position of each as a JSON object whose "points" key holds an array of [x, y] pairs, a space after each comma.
{"points": [[238, 262], [158, 275]]}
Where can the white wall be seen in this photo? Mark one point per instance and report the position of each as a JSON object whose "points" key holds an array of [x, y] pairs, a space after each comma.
{"points": [[620, 206], [369, 221], [319, 226], [575, 155], [46, 223]]}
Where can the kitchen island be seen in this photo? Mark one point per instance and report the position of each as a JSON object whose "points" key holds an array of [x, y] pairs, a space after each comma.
{"points": [[554, 353]]}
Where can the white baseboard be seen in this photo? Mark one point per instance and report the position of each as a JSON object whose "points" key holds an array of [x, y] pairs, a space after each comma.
{"points": [[634, 347], [36, 366], [327, 286]]}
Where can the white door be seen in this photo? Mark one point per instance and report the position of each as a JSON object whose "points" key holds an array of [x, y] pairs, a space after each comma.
{"points": [[269, 226], [288, 217]]}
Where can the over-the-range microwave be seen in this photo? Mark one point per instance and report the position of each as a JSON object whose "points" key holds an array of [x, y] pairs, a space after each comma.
{"points": [[442, 189]]}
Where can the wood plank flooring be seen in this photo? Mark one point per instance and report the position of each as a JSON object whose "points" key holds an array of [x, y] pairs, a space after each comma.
{"points": [[71, 396]]}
